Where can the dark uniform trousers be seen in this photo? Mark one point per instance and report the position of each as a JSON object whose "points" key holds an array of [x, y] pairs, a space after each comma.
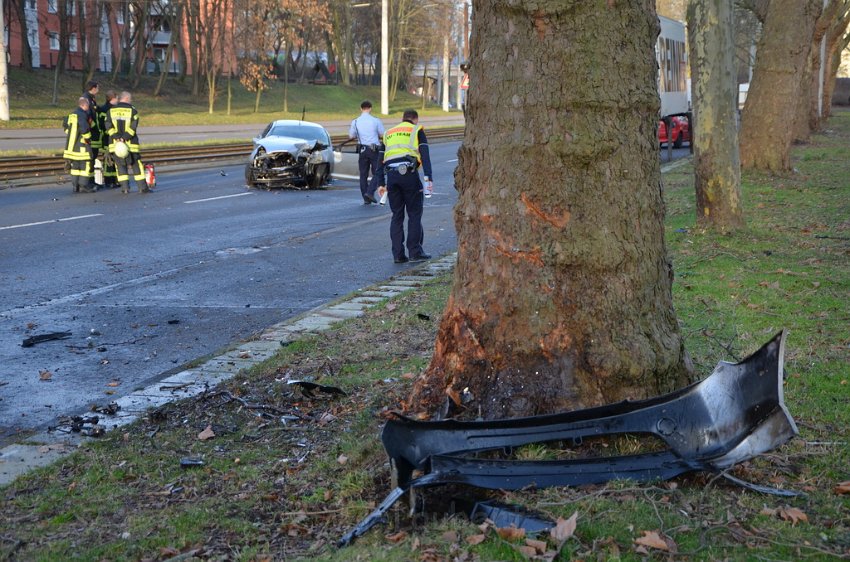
{"points": [[405, 195], [368, 161]]}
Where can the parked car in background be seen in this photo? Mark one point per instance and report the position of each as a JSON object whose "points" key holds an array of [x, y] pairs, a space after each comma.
{"points": [[681, 131], [291, 153]]}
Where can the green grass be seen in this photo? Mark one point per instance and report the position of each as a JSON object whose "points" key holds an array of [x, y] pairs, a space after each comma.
{"points": [[289, 491], [31, 101]]}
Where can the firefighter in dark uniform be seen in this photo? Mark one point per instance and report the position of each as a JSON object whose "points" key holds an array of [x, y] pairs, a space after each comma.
{"points": [[95, 142], [406, 151], [77, 150], [110, 173], [122, 122]]}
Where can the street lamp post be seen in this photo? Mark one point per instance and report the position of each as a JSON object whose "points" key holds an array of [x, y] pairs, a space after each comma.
{"points": [[4, 77], [385, 64]]}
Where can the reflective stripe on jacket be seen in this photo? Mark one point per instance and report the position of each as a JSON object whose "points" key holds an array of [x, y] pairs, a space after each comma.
{"points": [[122, 120], [402, 140], [76, 127]]}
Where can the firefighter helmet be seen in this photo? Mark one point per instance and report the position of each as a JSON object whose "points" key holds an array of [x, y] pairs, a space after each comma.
{"points": [[121, 149]]}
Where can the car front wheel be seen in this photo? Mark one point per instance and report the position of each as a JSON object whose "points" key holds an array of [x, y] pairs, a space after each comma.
{"points": [[320, 174]]}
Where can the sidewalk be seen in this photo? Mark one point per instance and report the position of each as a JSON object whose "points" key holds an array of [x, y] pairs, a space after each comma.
{"points": [[47, 447]]}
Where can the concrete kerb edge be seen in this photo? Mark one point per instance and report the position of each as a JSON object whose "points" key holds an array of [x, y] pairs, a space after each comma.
{"points": [[46, 448]]}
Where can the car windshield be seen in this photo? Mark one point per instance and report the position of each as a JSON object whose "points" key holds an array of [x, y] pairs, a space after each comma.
{"points": [[306, 132]]}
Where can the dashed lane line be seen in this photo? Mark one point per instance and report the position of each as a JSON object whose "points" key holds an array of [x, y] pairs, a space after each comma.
{"points": [[216, 198], [52, 221]]}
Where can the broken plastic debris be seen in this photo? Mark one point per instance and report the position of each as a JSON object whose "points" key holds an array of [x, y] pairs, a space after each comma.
{"points": [[735, 414], [32, 340], [309, 388]]}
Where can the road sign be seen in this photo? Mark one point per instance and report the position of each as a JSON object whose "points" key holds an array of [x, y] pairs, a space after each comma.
{"points": [[464, 84]]}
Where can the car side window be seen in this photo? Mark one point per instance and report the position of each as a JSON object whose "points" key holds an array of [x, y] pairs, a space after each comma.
{"points": [[265, 132]]}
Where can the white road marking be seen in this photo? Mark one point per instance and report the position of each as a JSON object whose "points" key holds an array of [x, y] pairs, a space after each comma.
{"points": [[50, 221], [216, 198]]}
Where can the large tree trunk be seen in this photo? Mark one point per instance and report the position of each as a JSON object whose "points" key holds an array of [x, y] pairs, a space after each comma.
{"points": [[780, 61], [711, 37], [561, 296]]}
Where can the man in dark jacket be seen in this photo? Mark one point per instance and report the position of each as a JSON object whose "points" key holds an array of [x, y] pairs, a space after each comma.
{"points": [[77, 149], [92, 88], [122, 122], [407, 150]]}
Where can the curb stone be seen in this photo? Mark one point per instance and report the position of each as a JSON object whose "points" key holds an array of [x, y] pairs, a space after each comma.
{"points": [[45, 448]]}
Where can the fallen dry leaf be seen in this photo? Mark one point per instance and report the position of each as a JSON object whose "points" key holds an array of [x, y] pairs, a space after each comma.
{"points": [[113, 383], [539, 546], [793, 515], [207, 433], [45, 375], [842, 488], [511, 533], [342, 459], [527, 551], [449, 536], [396, 537], [475, 539], [564, 528], [408, 376], [652, 540]]}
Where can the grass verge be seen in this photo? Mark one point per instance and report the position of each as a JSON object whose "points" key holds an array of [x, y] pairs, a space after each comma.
{"points": [[287, 487], [31, 101]]}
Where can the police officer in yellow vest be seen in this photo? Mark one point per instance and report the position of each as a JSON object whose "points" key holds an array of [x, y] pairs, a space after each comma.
{"points": [[77, 148], [406, 151], [122, 123]]}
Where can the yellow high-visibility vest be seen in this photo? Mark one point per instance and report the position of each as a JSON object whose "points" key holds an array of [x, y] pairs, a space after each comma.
{"points": [[402, 140]]}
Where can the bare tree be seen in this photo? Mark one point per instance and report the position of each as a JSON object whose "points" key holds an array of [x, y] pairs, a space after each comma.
{"points": [[18, 8], [717, 166], [562, 292]]}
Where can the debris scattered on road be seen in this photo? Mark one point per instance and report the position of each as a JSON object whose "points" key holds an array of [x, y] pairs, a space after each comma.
{"points": [[40, 338], [110, 409], [84, 425]]}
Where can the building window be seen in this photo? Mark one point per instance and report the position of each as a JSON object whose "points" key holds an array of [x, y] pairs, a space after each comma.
{"points": [[51, 6], [31, 4], [72, 43], [119, 17], [71, 8], [54, 40]]}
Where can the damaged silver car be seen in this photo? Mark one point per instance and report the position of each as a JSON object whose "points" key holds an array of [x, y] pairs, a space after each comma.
{"points": [[291, 153]]}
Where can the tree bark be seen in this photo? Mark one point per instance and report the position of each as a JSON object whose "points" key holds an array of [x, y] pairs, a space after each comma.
{"points": [[19, 7], [717, 181], [562, 292], [783, 50]]}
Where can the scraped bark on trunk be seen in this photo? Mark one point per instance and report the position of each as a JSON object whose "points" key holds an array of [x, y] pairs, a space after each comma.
{"points": [[711, 37], [561, 297], [781, 59]]}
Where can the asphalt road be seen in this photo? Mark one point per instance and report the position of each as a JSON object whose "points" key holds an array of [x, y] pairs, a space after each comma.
{"points": [[148, 283]]}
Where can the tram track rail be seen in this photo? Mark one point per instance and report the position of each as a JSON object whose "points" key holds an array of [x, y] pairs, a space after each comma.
{"points": [[45, 167]]}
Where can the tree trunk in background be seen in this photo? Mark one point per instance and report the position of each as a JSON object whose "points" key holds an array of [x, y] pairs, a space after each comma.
{"points": [[711, 42], [785, 44], [26, 51], [562, 291]]}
